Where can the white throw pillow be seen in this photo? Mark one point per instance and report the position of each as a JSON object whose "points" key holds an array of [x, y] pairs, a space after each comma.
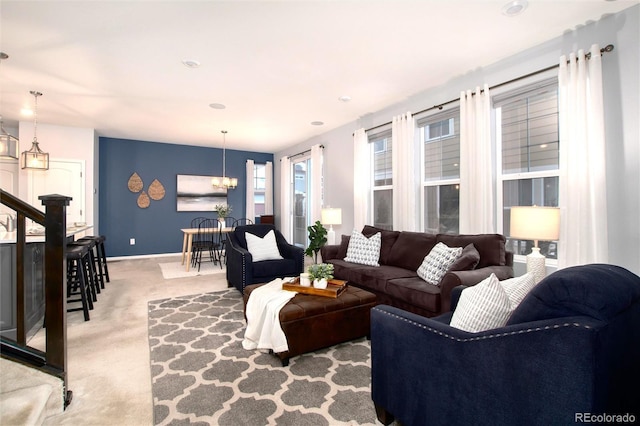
{"points": [[265, 248], [438, 262], [517, 288], [481, 307], [363, 250]]}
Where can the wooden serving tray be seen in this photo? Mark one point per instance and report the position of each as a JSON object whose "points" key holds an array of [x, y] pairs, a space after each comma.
{"points": [[334, 288]]}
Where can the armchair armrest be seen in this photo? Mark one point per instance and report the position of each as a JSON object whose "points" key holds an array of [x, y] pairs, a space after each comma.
{"points": [[289, 251], [468, 278], [239, 274], [534, 373]]}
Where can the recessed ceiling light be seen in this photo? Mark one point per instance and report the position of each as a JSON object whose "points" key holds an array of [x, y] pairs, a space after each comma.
{"points": [[317, 123], [514, 7], [191, 63], [217, 106], [344, 98], [26, 111]]}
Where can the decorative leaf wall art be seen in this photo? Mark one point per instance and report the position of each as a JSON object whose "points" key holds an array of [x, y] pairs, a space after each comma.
{"points": [[156, 190], [135, 183], [143, 200]]}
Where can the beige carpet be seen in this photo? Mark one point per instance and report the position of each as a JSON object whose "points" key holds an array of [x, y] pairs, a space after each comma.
{"points": [[171, 270], [108, 356]]}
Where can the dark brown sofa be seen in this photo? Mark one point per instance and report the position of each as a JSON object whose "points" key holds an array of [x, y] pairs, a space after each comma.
{"points": [[396, 283]]}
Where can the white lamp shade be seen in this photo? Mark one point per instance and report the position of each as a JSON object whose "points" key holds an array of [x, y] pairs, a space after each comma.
{"points": [[535, 223], [331, 216]]}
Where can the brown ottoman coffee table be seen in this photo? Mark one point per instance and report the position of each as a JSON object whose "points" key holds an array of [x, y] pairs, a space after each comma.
{"points": [[314, 322]]}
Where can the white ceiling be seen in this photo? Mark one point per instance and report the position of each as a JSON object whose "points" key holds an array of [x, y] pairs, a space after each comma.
{"points": [[116, 66]]}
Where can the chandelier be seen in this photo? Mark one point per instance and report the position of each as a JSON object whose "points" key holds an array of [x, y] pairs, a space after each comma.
{"points": [[225, 182], [35, 158], [8, 144]]}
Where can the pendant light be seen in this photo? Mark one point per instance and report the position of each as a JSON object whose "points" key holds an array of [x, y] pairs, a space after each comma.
{"points": [[35, 158], [226, 182], [8, 144]]}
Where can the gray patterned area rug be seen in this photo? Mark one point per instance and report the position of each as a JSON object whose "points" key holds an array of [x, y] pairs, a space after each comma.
{"points": [[201, 374]]}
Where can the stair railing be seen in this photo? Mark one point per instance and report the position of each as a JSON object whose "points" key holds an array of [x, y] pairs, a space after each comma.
{"points": [[54, 220]]}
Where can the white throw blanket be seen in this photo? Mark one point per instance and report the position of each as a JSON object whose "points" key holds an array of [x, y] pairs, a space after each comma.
{"points": [[263, 317]]}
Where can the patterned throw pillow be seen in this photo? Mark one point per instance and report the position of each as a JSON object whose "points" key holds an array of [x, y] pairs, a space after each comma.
{"points": [[517, 288], [265, 248], [481, 307], [437, 263], [363, 250]]}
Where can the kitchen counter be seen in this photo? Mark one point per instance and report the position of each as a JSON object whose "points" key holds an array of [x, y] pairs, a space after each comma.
{"points": [[37, 235]]}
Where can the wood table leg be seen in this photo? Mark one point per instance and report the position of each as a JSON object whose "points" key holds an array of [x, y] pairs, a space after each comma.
{"points": [[184, 247], [189, 244]]}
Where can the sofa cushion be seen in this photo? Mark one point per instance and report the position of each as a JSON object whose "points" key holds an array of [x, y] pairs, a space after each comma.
{"points": [[416, 291], [388, 240], [481, 307], [597, 290], [264, 248], [468, 259], [363, 250], [437, 263], [275, 268], [376, 279], [343, 270], [490, 246], [517, 288], [410, 249]]}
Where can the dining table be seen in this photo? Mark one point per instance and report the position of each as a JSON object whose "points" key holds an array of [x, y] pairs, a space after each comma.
{"points": [[187, 241]]}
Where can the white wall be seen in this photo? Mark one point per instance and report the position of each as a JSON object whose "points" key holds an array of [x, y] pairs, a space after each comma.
{"points": [[621, 73], [64, 143]]}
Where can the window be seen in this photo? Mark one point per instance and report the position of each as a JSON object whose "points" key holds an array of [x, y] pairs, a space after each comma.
{"points": [[528, 145], [440, 139], [259, 186], [382, 179]]}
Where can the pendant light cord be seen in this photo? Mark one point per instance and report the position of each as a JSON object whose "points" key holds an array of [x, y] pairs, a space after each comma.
{"points": [[35, 116]]}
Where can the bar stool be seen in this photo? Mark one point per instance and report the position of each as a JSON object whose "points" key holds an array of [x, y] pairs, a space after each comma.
{"points": [[77, 279], [101, 255], [95, 279]]}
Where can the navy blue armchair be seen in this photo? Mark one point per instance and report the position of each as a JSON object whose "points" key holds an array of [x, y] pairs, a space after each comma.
{"points": [[243, 271], [570, 350]]}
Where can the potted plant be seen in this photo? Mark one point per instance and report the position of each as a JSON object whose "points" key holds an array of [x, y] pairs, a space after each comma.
{"points": [[320, 274], [223, 211], [317, 239]]}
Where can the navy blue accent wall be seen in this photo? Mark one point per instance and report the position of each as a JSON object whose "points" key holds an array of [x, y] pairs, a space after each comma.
{"points": [[156, 229]]}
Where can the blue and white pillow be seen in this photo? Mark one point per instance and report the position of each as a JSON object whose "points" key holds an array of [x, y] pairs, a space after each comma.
{"points": [[363, 250], [481, 307], [438, 262], [517, 288]]}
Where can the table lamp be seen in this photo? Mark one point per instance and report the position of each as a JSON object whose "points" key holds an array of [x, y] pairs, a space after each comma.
{"points": [[537, 224], [331, 217]]}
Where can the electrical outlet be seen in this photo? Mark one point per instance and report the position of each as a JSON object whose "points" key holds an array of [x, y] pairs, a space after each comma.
{"points": [[132, 241]]}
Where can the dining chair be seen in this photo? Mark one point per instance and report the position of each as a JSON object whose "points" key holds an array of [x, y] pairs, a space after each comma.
{"points": [[203, 242], [241, 222], [218, 243], [196, 221]]}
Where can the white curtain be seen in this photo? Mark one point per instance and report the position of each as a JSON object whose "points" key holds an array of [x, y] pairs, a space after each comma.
{"points": [[583, 186], [361, 178], [285, 198], [476, 189], [317, 195], [250, 194], [268, 188], [405, 215]]}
